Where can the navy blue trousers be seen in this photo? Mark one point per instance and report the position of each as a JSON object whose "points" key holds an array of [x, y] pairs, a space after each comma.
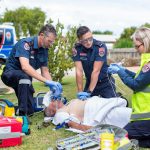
{"points": [[140, 130], [104, 88], [22, 84]]}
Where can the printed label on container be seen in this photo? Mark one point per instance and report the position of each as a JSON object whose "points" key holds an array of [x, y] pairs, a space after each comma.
{"points": [[5, 129]]}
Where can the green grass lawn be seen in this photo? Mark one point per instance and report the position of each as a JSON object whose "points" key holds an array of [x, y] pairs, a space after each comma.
{"points": [[42, 139], [1, 69]]}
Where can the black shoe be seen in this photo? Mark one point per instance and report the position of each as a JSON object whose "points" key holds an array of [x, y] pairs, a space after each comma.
{"points": [[22, 113], [16, 110]]}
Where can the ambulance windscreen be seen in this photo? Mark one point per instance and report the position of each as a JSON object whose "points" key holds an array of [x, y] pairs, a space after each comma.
{"points": [[9, 40]]}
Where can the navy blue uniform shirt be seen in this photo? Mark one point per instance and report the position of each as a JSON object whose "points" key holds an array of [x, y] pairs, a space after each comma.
{"points": [[140, 82], [98, 52], [28, 48]]}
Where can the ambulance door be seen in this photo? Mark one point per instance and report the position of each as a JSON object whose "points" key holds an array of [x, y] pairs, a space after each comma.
{"points": [[1, 38], [6, 42]]}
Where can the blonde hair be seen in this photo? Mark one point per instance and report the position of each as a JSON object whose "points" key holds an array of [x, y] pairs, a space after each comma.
{"points": [[143, 35]]}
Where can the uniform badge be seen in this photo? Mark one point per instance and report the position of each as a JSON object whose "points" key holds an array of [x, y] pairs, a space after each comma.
{"points": [[83, 54], [146, 68], [101, 51], [26, 46], [32, 52], [74, 52]]}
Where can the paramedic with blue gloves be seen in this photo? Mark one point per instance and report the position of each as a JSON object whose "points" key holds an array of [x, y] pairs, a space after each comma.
{"points": [[90, 56], [28, 55], [56, 89], [139, 127]]}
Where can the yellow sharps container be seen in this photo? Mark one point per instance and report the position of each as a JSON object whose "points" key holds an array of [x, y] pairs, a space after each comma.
{"points": [[107, 141]]}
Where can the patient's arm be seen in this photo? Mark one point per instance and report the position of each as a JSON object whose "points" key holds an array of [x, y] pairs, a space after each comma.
{"points": [[78, 126]]}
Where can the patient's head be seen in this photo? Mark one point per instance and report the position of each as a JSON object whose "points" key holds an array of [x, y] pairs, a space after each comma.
{"points": [[54, 105]]}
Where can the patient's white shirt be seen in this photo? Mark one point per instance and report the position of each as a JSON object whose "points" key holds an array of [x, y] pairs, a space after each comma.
{"points": [[98, 110], [111, 111]]}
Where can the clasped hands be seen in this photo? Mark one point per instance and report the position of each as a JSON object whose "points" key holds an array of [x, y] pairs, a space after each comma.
{"points": [[83, 95], [56, 89]]}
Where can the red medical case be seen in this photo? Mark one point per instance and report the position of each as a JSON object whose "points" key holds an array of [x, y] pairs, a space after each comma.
{"points": [[10, 132]]}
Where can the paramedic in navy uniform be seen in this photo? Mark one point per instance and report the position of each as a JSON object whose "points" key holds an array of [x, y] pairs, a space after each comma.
{"points": [[27, 55], [90, 56]]}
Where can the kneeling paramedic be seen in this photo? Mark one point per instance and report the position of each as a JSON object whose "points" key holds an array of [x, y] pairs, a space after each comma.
{"points": [[139, 127], [28, 55], [90, 56]]}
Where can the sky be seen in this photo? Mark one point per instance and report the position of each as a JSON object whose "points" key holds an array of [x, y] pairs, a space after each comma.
{"points": [[102, 15]]}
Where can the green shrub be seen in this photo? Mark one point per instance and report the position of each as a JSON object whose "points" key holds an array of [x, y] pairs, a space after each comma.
{"points": [[60, 53], [123, 43]]}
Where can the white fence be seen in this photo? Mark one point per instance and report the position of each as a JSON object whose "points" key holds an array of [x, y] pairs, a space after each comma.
{"points": [[121, 53], [128, 56]]}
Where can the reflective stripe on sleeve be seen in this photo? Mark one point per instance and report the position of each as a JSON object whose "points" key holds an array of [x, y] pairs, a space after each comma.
{"points": [[140, 116], [146, 90]]}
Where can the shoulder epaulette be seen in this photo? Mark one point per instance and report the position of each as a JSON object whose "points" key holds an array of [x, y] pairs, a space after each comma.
{"points": [[98, 43], [29, 41]]}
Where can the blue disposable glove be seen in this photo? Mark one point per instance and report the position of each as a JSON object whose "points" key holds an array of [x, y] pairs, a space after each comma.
{"points": [[118, 65], [83, 95], [55, 87], [113, 69]]}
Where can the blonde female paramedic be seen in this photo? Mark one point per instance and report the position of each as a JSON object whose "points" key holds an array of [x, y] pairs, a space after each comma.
{"points": [[139, 127]]}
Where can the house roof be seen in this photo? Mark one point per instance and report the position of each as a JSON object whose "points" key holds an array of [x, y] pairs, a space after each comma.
{"points": [[105, 38]]}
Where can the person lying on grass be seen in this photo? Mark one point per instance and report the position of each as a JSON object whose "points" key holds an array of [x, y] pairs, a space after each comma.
{"points": [[83, 115]]}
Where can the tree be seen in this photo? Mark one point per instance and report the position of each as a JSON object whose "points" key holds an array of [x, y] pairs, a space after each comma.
{"points": [[29, 21], [125, 40], [123, 43], [61, 51], [108, 32], [127, 33], [146, 25], [104, 32], [26, 21]]}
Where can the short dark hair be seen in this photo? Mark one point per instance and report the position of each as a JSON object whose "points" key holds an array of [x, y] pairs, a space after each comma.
{"points": [[82, 30], [47, 112], [48, 29]]}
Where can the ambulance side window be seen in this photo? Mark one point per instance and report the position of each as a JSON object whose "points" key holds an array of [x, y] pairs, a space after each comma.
{"points": [[1, 36], [9, 38]]}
